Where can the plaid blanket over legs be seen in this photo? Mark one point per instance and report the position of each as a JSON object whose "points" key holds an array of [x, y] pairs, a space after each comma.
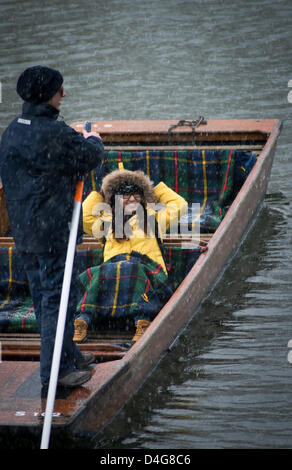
{"points": [[127, 285]]}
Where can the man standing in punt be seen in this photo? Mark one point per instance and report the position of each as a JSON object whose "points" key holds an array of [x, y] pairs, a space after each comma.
{"points": [[41, 161]]}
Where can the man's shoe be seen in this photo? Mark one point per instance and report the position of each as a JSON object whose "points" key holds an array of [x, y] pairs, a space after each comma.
{"points": [[141, 327], [80, 331], [74, 379], [87, 359]]}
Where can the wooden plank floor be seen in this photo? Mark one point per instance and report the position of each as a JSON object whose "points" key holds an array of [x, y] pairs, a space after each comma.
{"points": [[23, 400]]}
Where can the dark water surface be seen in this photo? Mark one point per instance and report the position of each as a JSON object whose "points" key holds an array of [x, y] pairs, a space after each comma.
{"points": [[227, 383]]}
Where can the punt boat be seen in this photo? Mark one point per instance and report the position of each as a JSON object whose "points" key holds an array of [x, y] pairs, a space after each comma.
{"points": [[222, 165]]}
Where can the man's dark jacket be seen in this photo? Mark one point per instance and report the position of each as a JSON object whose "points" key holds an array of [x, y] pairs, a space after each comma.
{"points": [[41, 160]]}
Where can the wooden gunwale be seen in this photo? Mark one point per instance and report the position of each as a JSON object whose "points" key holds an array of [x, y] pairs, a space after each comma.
{"points": [[149, 129], [90, 408], [153, 132]]}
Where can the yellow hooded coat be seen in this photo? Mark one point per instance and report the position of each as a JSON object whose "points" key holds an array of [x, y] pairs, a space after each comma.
{"points": [[97, 214]]}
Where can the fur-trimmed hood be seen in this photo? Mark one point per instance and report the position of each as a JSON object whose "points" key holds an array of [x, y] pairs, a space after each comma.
{"points": [[118, 177]]}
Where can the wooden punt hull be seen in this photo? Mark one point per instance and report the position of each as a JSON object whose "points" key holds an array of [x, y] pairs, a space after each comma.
{"points": [[86, 410]]}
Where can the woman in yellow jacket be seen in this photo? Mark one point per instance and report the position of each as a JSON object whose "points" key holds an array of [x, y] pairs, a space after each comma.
{"points": [[129, 216]]}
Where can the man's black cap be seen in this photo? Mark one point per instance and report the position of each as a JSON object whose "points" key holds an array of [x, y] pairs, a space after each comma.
{"points": [[38, 84]]}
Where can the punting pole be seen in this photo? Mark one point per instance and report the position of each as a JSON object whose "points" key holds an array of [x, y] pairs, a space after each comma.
{"points": [[62, 312]]}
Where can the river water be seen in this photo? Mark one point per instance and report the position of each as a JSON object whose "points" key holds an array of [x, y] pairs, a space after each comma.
{"points": [[227, 382]]}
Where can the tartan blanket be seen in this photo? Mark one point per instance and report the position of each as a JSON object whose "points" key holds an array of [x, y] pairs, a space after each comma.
{"points": [[127, 285], [179, 262], [208, 177], [16, 310]]}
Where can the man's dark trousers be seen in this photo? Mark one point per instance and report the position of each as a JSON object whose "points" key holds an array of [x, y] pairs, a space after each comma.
{"points": [[45, 274]]}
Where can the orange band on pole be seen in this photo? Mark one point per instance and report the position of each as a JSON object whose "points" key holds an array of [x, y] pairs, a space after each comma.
{"points": [[79, 191]]}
